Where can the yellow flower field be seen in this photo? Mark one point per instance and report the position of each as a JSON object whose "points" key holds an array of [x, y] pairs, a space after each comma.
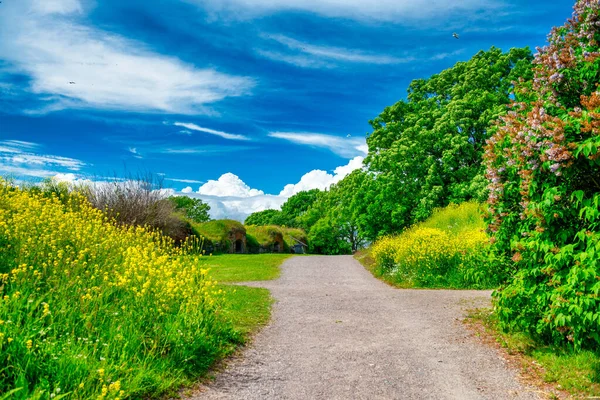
{"points": [[448, 250], [94, 310]]}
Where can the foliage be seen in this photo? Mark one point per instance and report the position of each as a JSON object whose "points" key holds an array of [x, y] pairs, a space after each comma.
{"points": [[449, 250], [266, 217], [291, 212], [543, 166], [137, 202], [295, 207], [326, 238], [93, 309], [193, 209], [426, 150]]}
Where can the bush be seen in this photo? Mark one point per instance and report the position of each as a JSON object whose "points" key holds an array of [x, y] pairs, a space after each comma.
{"points": [[543, 165], [138, 202], [448, 250], [94, 309]]}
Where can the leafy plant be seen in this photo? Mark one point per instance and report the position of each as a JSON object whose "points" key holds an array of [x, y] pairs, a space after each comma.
{"points": [[194, 209], [543, 165]]}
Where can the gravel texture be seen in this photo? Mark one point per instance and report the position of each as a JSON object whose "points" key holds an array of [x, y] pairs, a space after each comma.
{"points": [[338, 333]]}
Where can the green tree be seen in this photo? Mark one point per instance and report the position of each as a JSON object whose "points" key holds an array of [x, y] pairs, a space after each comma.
{"points": [[194, 209], [266, 217], [296, 206], [426, 151], [325, 237]]}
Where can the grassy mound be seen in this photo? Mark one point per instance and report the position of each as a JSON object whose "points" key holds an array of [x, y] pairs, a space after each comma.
{"points": [[267, 237], [216, 233], [450, 249], [95, 310]]}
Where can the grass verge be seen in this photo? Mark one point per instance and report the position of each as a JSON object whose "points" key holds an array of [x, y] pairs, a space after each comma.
{"points": [[247, 308], [244, 267], [558, 373]]}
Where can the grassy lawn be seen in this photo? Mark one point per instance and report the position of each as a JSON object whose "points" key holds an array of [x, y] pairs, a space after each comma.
{"points": [[248, 308], [244, 267], [561, 373]]}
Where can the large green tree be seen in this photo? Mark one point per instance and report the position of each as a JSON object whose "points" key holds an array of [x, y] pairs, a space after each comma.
{"points": [[426, 150]]}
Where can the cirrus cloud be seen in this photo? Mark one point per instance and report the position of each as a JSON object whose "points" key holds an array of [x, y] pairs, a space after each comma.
{"points": [[84, 67]]}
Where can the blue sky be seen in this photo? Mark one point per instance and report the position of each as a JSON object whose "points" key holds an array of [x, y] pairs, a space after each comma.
{"points": [[239, 102]]}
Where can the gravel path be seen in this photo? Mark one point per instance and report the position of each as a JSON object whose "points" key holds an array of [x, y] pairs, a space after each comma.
{"points": [[339, 333]]}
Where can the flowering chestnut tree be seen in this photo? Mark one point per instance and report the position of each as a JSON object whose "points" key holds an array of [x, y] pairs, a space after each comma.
{"points": [[543, 165]]}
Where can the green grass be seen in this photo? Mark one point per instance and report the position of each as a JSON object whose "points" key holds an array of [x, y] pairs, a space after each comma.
{"points": [[244, 267], [247, 308], [456, 219], [217, 230], [448, 250], [577, 373], [289, 234], [264, 234]]}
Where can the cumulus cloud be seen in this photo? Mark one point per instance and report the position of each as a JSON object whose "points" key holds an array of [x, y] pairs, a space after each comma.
{"points": [[76, 66], [225, 135], [229, 185], [230, 197], [319, 179], [239, 208], [345, 147]]}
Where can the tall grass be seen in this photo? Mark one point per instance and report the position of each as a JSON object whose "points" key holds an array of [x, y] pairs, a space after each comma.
{"points": [[450, 249], [93, 309]]}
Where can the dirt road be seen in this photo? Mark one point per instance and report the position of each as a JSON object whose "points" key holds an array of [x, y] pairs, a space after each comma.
{"points": [[339, 333]]}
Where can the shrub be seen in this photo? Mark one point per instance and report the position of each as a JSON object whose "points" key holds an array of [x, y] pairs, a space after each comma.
{"points": [[94, 309], [448, 250], [543, 166], [138, 202]]}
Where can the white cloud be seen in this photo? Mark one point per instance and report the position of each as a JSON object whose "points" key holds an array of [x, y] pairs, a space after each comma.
{"points": [[229, 185], [183, 180], [57, 6], [18, 158], [225, 135], [134, 152], [230, 197], [239, 208], [321, 56], [345, 147], [319, 179], [83, 67], [401, 11]]}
